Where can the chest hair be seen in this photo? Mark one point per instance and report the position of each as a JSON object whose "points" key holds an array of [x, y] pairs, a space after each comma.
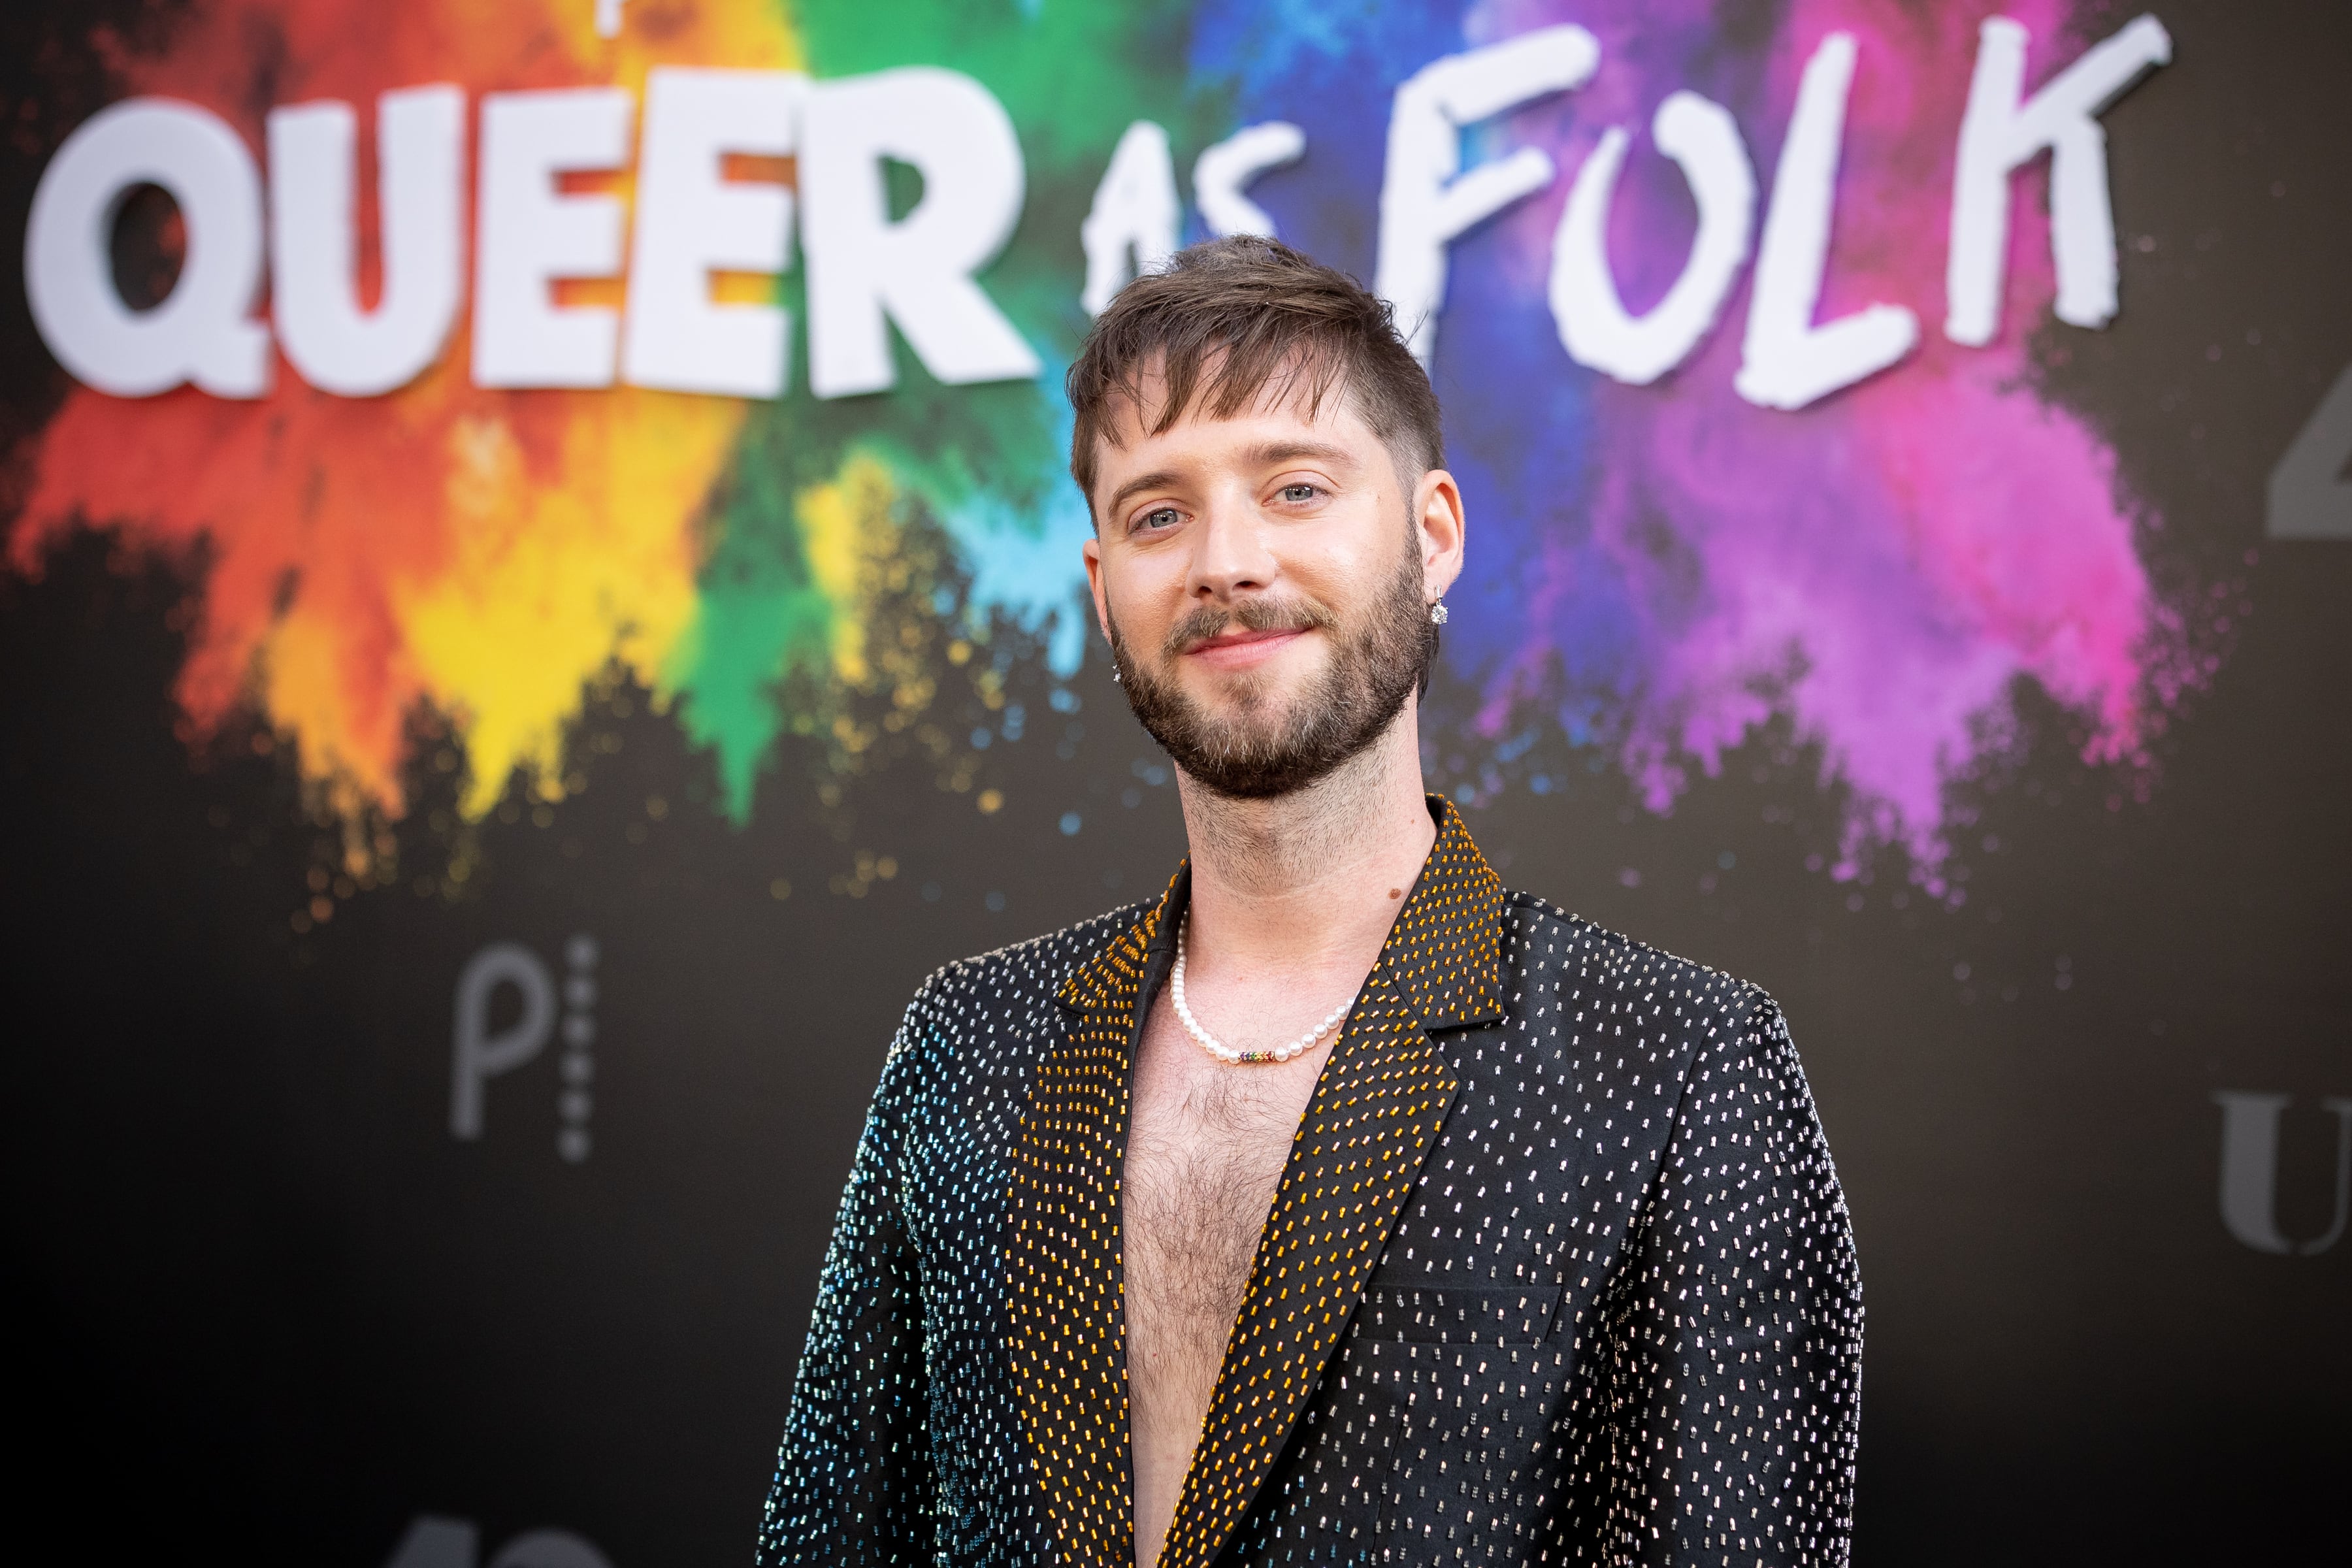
{"points": [[1205, 1155]]}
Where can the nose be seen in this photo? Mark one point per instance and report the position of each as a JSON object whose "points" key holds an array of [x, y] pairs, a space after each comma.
{"points": [[1232, 556]]}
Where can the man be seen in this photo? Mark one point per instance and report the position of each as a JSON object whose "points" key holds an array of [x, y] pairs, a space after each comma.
{"points": [[1336, 1205]]}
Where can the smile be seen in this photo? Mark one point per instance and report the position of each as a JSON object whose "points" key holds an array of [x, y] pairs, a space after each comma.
{"points": [[1241, 649]]}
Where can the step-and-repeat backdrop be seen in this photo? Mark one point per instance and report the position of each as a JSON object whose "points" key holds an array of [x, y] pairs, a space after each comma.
{"points": [[540, 597]]}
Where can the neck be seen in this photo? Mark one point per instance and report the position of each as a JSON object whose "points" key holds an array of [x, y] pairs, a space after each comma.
{"points": [[1306, 879]]}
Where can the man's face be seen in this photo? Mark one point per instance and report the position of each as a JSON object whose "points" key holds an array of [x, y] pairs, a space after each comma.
{"points": [[1264, 582]]}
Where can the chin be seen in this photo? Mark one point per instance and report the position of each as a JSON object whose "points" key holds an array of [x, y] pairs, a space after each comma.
{"points": [[1280, 676], [1250, 700], [1263, 725]]}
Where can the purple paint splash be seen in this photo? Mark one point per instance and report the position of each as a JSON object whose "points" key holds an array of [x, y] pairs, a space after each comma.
{"points": [[1665, 568], [1895, 561]]}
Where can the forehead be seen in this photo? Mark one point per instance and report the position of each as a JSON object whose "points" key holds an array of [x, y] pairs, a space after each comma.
{"points": [[1289, 403]]}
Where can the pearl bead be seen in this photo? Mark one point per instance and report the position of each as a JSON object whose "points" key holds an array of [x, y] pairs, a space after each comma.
{"points": [[1217, 1047]]}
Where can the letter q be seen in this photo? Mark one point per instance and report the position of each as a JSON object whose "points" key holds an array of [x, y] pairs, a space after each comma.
{"points": [[202, 332]]}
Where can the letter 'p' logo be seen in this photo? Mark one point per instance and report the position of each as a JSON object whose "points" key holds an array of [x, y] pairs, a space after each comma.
{"points": [[477, 1052]]}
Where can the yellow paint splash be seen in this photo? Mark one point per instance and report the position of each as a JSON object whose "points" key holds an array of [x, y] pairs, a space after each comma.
{"points": [[552, 580]]}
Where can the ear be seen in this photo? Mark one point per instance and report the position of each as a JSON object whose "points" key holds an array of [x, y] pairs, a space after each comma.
{"points": [[1092, 550], [1439, 525]]}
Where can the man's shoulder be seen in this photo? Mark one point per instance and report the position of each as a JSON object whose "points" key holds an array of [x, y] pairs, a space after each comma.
{"points": [[1550, 944], [1015, 981]]}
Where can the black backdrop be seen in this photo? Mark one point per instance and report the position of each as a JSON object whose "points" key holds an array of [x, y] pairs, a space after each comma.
{"points": [[265, 1306]]}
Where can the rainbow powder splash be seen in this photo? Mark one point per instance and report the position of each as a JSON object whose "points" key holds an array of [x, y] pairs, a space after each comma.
{"points": [[1659, 569]]}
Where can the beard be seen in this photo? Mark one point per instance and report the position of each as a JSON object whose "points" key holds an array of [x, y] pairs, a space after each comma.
{"points": [[1264, 747]]}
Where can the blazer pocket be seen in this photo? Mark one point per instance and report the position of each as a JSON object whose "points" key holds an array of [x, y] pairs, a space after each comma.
{"points": [[1458, 1314]]}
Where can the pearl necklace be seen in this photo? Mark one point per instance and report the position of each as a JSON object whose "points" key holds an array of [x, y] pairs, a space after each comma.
{"points": [[1218, 1048]]}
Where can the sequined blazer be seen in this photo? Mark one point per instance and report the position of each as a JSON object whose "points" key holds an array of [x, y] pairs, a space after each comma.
{"points": [[1558, 1272]]}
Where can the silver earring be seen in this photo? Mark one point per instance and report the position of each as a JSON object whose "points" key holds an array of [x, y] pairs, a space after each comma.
{"points": [[1437, 614], [1114, 675]]}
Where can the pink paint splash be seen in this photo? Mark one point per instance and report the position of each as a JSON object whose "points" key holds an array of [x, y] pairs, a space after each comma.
{"points": [[1885, 566]]}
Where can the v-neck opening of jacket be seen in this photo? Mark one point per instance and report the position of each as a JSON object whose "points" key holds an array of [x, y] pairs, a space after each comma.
{"points": [[1373, 1116]]}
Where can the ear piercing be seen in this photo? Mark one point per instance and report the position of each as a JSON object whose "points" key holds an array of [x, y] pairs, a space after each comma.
{"points": [[1437, 614]]}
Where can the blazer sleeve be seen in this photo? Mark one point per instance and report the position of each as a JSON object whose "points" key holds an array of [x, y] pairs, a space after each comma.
{"points": [[854, 1481], [1729, 1382]]}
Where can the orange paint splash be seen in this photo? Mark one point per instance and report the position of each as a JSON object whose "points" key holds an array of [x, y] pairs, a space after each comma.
{"points": [[478, 553]]}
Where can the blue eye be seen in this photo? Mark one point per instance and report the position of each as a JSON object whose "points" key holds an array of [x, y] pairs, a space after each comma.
{"points": [[1299, 492], [1157, 517]]}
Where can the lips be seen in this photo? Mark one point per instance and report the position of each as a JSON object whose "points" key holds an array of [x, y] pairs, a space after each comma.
{"points": [[1242, 647], [1245, 632], [1239, 637]]}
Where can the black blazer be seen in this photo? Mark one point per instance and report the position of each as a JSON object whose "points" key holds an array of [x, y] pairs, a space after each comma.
{"points": [[1558, 1272]]}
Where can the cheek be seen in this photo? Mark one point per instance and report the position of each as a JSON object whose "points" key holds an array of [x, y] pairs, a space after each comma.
{"points": [[1145, 590], [1343, 570]]}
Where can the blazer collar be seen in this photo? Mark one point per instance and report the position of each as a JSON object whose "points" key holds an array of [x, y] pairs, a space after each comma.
{"points": [[1373, 1118], [1457, 976]]}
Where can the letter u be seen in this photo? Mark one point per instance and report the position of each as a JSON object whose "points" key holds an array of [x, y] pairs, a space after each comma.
{"points": [[338, 346], [2249, 1129]]}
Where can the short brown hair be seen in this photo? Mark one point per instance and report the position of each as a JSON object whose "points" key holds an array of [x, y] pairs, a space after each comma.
{"points": [[1243, 313]]}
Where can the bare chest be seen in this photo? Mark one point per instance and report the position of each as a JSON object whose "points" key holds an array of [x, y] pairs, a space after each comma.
{"points": [[1206, 1146]]}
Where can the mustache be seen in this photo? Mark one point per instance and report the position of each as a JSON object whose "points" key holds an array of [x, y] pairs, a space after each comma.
{"points": [[1253, 614]]}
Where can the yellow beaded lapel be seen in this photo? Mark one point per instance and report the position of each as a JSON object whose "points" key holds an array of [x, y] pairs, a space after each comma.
{"points": [[1375, 1114], [1064, 1281]]}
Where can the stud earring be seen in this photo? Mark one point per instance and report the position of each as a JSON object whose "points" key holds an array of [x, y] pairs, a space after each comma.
{"points": [[1437, 614]]}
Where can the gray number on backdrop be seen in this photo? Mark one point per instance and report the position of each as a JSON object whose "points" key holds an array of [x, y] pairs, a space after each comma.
{"points": [[2309, 496]]}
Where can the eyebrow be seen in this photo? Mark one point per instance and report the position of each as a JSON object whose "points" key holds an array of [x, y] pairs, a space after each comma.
{"points": [[1134, 486], [1266, 455], [1275, 452]]}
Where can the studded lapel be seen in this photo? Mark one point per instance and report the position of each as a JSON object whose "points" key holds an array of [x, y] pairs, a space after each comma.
{"points": [[1372, 1121], [1064, 1279]]}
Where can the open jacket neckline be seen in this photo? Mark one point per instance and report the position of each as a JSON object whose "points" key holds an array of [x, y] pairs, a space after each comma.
{"points": [[1375, 1116]]}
